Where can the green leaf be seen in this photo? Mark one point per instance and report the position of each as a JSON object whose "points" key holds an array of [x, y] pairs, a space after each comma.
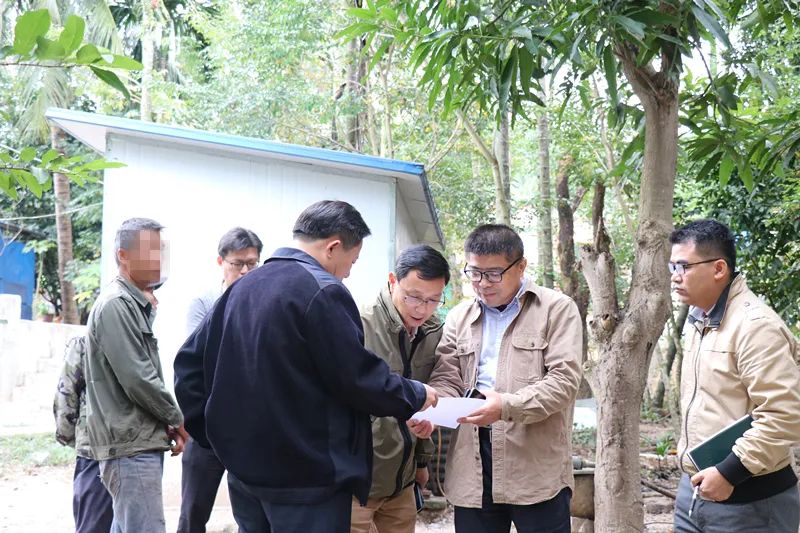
{"points": [[712, 25], [102, 164], [522, 32], [710, 164], [87, 54], [49, 156], [30, 26], [42, 176], [72, 35], [379, 54], [125, 63], [525, 69], [746, 175], [389, 14], [111, 79], [27, 154], [725, 168], [27, 180], [610, 69], [48, 49], [635, 29]]}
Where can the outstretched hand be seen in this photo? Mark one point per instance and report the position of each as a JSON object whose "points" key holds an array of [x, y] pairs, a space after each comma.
{"points": [[488, 413]]}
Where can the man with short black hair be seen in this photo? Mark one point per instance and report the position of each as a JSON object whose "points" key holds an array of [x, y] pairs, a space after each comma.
{"points": [[238, 251], [287, 386], [518, 346], [131, 417], [402, 328], [739, 360]]}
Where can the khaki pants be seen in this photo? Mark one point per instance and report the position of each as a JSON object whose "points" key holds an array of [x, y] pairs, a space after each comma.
{"points": [[385, 515]]}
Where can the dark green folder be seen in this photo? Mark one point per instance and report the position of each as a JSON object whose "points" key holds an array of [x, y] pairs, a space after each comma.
{"points": [[718, 446]]}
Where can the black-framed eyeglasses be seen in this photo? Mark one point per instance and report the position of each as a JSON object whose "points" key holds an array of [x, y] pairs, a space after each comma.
{"points": [[681, 268], [492, 276], [239, 265], [415, 301]]}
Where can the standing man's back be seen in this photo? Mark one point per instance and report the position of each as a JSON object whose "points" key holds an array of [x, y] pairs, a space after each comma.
{"points": [[289, 385], [131, 418], [238, 253]]}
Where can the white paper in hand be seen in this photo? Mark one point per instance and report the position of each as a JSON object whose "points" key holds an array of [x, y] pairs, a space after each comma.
{"points": [[448, 410]]}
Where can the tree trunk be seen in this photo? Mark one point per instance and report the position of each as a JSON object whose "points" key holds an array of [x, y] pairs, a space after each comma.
{"points": [[625, 337], [356, 74], [570, 282], [674, 345], [387, 142], [545, 218], [502, 200], [69, 309], [148, 58]]}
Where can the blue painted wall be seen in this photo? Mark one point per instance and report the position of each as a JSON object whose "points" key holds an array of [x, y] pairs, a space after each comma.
{"points": [[17, 274]]}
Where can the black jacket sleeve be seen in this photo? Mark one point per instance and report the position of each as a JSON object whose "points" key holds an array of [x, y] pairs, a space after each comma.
{"points": [[190, 390], [352, 373]]}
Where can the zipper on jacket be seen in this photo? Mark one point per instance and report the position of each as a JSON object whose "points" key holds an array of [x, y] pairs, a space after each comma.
{"points": [[694, 395], [404, 431]]}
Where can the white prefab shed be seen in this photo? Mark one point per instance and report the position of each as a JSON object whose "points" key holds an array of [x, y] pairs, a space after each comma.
{"points": [[199, 184]]}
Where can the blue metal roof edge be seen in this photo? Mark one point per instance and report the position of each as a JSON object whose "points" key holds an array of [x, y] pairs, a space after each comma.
{"points": [[236, 141], [423, 178]]}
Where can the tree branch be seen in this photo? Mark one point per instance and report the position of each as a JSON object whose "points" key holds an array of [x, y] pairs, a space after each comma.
{"points": [[447, 147], [476, 138]]}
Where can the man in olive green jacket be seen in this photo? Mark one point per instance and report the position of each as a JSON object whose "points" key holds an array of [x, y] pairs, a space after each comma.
{"points": [[131, 418], [401, 327]]}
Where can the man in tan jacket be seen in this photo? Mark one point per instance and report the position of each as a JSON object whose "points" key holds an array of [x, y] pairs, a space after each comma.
{"points": [[739, 360], [519, 346]]}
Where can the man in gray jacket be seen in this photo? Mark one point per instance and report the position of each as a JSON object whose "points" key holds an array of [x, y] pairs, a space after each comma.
{"points": [[131, 417]]}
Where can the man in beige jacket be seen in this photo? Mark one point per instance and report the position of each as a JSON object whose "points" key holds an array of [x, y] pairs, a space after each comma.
{"points": [[739, 360], [519, 346]]}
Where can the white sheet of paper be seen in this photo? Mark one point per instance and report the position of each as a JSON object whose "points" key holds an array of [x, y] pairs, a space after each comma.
{"points": [[448, 410]]}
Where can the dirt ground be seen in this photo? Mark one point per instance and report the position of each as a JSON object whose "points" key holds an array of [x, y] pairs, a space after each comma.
{"points": [[38, 499]]}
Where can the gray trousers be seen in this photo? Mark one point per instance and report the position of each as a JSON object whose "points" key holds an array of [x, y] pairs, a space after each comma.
{"points": [[776, 514], [135, 486]]}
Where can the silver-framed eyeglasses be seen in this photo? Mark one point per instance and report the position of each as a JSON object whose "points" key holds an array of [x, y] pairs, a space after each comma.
{"points": [[681, 268], [239, 265], [415, 301], [492, 276]]}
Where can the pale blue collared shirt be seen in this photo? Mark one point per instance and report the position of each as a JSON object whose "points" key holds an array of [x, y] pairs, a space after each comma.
{"points": [[495, 323]]}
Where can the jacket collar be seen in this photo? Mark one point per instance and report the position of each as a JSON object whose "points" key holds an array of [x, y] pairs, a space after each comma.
{"points": [[717, 312], [135, 293], [393, 318], [296, 255]]}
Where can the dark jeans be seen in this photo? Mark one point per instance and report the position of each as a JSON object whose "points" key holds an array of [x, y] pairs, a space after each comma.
{"points": [[91, 502], [254, 515], [201, 473], [551, 516]]}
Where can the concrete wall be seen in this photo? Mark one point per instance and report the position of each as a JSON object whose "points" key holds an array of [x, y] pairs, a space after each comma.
{"points": [[31, 355]]}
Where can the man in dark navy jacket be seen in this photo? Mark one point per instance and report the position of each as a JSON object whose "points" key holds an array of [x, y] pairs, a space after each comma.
{"points": [[278, 382]]}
